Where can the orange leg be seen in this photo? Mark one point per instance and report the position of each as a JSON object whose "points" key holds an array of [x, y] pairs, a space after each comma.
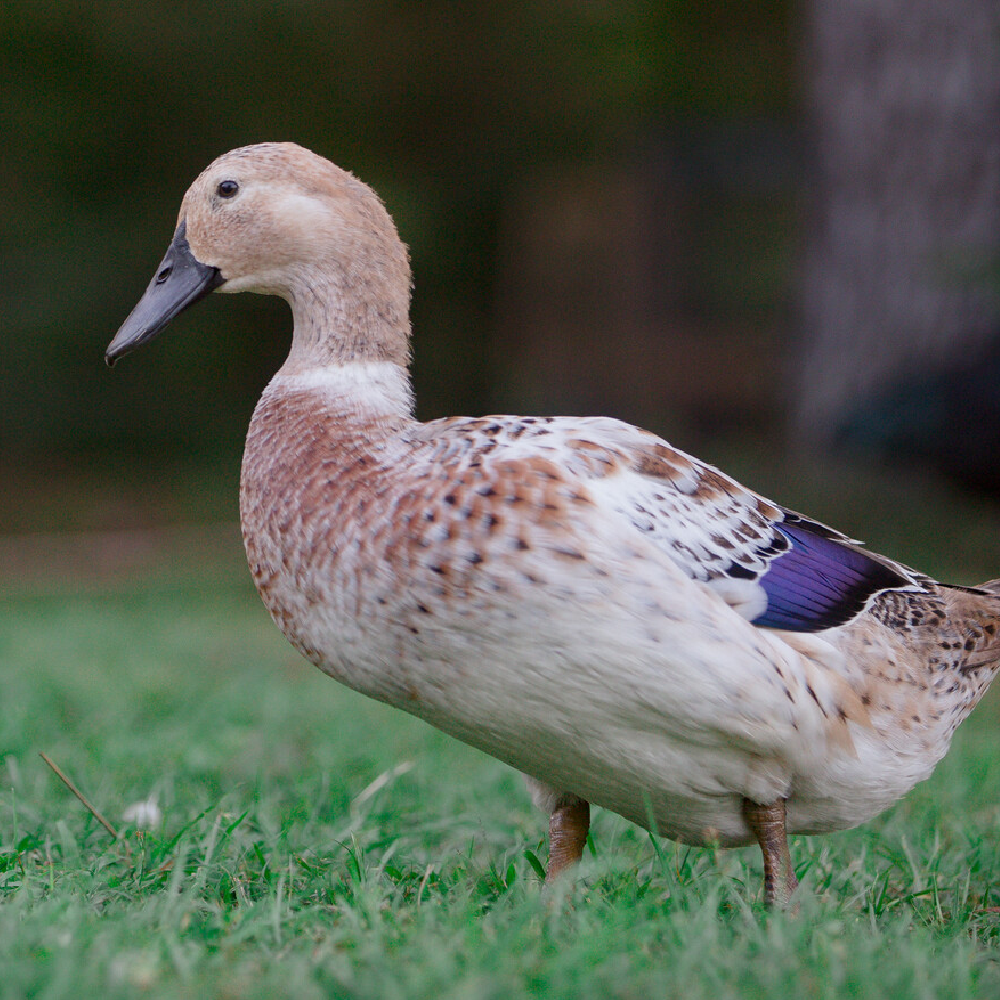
{"points": [[768, 825], [568, 826]]}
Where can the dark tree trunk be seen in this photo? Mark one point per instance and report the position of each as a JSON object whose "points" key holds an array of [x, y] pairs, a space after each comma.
{"points": [[900, 267]]}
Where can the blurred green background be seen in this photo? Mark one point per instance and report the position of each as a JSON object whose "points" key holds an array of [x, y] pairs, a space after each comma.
{"points": [[629, 208]]}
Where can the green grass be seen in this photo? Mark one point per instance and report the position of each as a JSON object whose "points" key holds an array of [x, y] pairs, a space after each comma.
{"points": [[316, 844]]}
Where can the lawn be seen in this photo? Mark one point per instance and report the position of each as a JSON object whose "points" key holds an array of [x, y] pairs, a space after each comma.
{"points": [[312, 843]]}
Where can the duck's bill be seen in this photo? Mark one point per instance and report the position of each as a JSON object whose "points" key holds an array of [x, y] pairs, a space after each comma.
{"points": [[180, 281]]}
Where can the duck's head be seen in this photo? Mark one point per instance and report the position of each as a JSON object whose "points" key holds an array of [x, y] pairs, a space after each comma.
{"points": [[278, 219]]}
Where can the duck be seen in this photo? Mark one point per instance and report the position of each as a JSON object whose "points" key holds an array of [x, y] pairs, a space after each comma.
{"points": [[626, 625]]}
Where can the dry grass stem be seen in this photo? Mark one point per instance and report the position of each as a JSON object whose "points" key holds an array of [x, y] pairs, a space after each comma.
{"points": [[76, 791]]}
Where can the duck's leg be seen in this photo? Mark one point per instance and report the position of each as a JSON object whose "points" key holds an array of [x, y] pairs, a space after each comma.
{"points": [[568, 826], [768, 825]]}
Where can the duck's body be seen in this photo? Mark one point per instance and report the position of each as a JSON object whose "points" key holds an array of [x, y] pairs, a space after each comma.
{"points": [[499, 578], [622, 623]]}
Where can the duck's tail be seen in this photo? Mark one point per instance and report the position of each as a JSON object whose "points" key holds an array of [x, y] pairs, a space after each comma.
{"points": [[978, 618]]}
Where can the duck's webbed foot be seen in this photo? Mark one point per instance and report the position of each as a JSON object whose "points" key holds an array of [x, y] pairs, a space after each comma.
{"points": [[768, 825]]}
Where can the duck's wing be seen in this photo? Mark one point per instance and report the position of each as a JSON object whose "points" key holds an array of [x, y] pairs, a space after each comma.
{"points": [[775, 567], [778, 568]]}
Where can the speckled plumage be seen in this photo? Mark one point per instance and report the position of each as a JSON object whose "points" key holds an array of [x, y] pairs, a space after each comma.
{"points": [[499, 578], [571, 595]]}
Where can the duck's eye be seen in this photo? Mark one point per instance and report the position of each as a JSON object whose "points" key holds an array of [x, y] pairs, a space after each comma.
{"points": [[227, 189]]}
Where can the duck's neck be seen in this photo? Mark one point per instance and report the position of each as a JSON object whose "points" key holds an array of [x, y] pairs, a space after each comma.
{"points": [[350, 342], [341, 318], [367, 396]]}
